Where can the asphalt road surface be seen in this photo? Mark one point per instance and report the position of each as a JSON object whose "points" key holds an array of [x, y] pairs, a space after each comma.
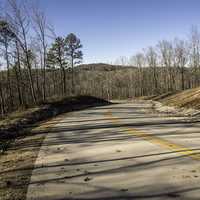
{"points": [[121, 151]]}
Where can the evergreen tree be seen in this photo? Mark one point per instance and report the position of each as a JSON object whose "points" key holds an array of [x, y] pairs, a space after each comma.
{"points": [[57, 58], [73, 52]]}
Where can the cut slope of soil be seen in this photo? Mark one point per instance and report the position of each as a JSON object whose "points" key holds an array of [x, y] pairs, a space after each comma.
{"points": [[187, 99], [185, 102]]}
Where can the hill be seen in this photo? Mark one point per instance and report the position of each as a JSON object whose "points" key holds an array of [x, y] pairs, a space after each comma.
{"points": [[102, 67]]}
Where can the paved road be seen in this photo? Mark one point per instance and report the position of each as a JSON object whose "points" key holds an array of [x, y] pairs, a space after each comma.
{"points": [[122, 151]]}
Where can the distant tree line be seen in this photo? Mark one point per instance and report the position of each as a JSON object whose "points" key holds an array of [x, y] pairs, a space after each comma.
{"points": [[37, 65], [167, 67]]}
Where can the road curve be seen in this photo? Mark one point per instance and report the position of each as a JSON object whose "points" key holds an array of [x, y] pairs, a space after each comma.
{"points": [[121, 151]]}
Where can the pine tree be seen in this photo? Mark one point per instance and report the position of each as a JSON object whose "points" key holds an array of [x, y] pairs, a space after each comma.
{"points": [[57, 57], [73, 46]]}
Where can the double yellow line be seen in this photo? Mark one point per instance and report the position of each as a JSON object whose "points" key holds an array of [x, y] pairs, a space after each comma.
{"points": [[156, 140]]}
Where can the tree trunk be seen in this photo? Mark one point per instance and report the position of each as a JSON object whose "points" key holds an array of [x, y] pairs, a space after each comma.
{"points": [[72, 63], [18, 86], [19, 77], [182, 79], [2, 100], [30, 76], [44, 70], [8, 76], [31, 79], [64, 81], [54, 82]]}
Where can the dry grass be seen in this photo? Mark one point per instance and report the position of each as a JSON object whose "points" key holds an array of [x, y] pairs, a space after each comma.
{"points": [[13, 117], [16, 166], [188, 99]]}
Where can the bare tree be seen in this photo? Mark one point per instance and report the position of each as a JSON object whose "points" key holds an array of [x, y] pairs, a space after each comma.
{"points": [[139, 61], [18, 74], [151, 57], [195, 53], [166, 51], [20, 21], [6, 36], [2, 100], [122, 60], [181, 57], [41, 27]]}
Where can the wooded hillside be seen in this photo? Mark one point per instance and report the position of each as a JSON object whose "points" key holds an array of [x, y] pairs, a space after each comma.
{"points": [[37, 65]]}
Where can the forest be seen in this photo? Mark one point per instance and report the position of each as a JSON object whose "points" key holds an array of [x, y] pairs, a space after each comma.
{"points": [[38, 65]]}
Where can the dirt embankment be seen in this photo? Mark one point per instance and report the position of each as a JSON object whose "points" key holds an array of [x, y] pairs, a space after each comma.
{"points": [[12, 127], [186, 102], [22, 133]]}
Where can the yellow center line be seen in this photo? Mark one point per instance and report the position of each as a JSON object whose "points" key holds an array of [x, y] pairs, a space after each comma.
{"points": [[157, 140]]}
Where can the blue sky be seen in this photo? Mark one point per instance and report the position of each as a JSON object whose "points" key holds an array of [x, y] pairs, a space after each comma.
{"points": [[112, 28]]}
